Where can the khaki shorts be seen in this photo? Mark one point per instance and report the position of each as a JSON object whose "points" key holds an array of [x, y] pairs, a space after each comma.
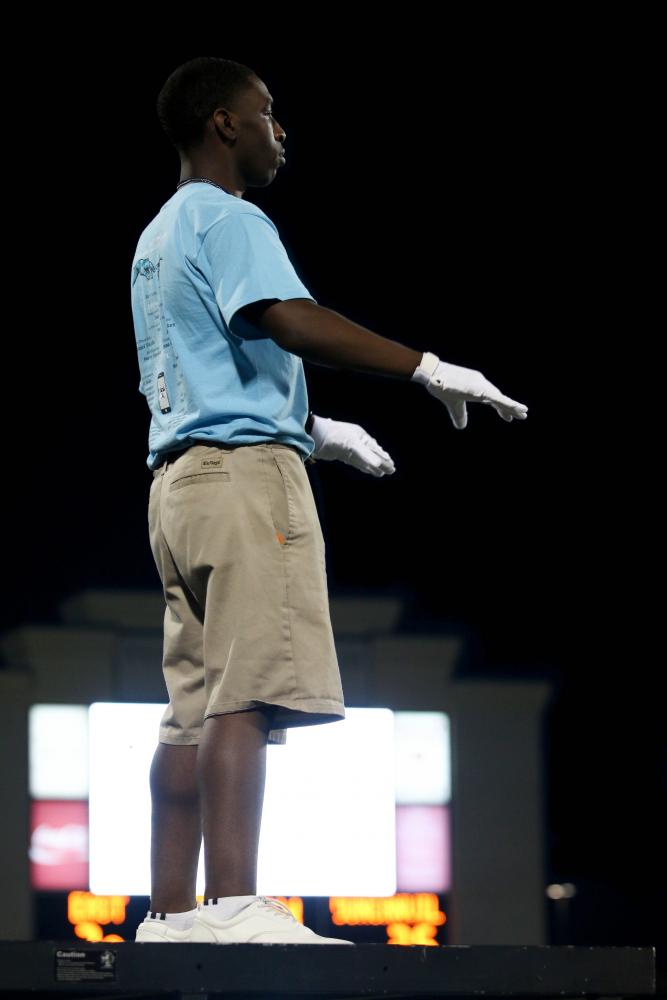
{"points": [[238, 545]]}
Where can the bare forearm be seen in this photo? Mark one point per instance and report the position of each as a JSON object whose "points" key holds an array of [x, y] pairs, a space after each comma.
{"points": [[323, 336]]}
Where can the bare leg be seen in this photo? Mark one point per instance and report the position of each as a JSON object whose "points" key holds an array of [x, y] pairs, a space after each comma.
{"points": [[217, 787], [231, 773], [175, 828]]}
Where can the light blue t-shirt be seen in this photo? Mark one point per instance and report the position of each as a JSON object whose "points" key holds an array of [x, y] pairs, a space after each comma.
{"points": [[204, 255]]}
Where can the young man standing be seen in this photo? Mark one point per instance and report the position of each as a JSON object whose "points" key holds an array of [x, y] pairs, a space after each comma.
{"points": [[222, 323]]}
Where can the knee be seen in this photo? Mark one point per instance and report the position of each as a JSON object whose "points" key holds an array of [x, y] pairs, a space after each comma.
{"points": [[173, 773]]}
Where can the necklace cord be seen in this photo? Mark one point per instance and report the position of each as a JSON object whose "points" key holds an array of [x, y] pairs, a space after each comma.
{"points": [[189, 180]]}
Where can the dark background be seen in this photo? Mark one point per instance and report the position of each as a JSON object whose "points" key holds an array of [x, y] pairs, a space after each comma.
{"points": [[462, 188]]}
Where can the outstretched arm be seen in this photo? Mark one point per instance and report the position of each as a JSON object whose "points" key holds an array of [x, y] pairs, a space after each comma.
{"points": [[324, 337]]}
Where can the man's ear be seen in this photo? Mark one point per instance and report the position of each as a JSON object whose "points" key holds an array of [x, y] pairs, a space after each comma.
{"points": [[223, 123]]}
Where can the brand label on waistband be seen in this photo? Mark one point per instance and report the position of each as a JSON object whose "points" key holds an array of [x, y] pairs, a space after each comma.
{"points": [[207, 463]]}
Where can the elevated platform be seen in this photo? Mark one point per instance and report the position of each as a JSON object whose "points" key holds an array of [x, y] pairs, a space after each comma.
{"points": [[72, 968]]}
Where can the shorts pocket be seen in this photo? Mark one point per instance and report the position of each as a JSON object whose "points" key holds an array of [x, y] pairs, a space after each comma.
{"points": [[280, 499], [199, 477]]}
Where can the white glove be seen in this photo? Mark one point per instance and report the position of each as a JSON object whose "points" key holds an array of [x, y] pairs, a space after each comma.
{"points": [[336, 439], [453, 385]]}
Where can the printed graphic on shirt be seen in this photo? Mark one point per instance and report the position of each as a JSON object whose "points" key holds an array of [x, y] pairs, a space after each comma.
{"points": [[147, 268], [161, 374], [163, 395]]}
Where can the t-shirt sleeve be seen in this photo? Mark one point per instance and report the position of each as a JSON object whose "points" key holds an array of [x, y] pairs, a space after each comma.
{"points": [[247, 261]]}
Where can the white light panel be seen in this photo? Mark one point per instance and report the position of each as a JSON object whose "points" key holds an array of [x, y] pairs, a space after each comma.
{"points": [[423, 758], [328, 822], [58, 751]]}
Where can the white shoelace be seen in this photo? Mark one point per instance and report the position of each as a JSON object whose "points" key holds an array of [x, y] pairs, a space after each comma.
{"points": [[275, 904]]}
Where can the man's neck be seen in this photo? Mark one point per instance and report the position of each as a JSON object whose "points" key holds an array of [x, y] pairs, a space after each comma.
{"points": [[192, 169]]}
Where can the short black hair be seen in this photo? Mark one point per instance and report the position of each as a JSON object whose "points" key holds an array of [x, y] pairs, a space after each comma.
{"points": [[193, 91]]}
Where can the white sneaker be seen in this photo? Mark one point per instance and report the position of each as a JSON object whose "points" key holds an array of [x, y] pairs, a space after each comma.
{"points": [[266, 920]]}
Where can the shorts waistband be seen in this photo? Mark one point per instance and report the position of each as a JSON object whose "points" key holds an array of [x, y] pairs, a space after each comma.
{"points": [[171, 456]]}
